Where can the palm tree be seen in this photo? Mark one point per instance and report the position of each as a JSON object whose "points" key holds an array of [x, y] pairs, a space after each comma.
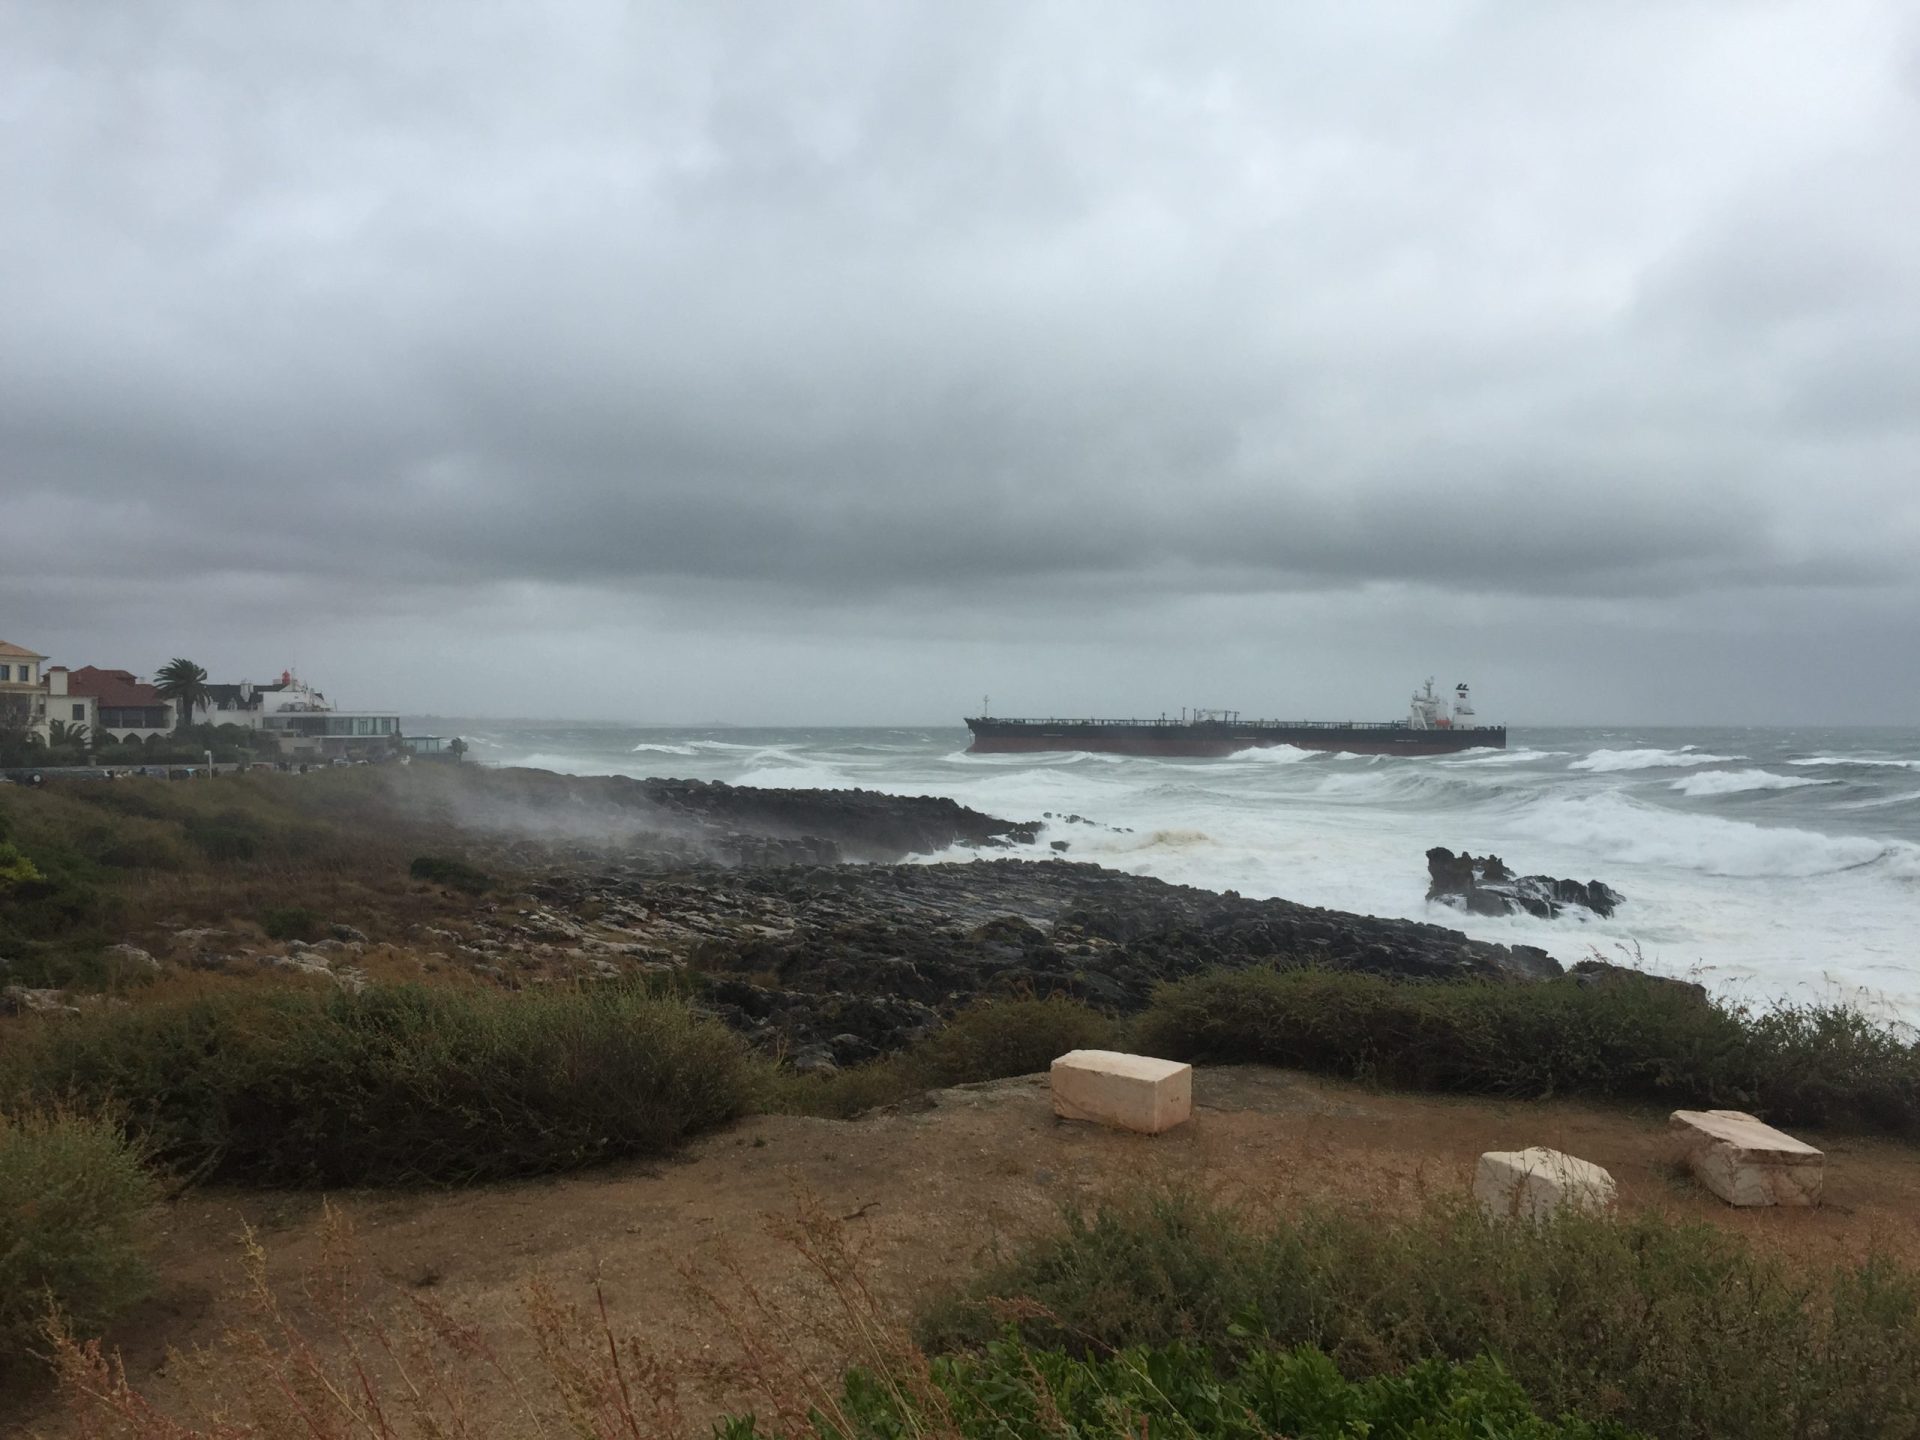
{"points": [[185, 684], [62, 735]]}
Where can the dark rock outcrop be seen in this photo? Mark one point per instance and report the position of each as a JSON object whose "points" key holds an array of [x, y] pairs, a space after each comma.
{"points": [[689, 822], [863, 959], [1485, 886], [1605, 972], [861, 824]]}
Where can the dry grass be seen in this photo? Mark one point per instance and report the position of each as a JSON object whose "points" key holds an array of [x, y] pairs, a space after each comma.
{"points": [[347, 1356], [823, 1361]]}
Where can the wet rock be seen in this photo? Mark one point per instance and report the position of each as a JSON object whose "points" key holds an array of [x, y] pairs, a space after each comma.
{"points": [[1485, 886], [813, 1060], [864, 959], [1605, 972]]}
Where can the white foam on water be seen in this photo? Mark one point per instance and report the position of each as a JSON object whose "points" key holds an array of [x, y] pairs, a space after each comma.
{"points": [[664, 749], [1734, 782], [1612, 827], [1496, 757], [1871, 763], [1607, 762], [1881, 803], [1278, 755]]}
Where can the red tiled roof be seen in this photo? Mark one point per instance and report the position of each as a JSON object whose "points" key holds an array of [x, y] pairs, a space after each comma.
{"points": [[114, 689], [14, 652]]}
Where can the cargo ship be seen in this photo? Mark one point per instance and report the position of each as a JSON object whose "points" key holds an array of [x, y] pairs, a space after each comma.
{"points": [[1429, 729]]}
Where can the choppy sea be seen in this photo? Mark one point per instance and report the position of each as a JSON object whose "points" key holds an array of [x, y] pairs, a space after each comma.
{"points": [[1771, 864]]}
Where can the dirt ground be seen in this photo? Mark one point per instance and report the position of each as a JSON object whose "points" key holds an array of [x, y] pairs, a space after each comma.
{"points": [[929, 1193]]}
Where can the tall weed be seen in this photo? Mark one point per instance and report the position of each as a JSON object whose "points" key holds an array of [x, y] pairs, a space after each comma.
{"points": [[73, 1195]]}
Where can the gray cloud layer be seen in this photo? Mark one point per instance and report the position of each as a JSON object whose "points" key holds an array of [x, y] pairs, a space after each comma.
{"points": [[733, 347]]}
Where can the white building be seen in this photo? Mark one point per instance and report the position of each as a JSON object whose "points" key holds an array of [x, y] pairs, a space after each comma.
{"points": [[22, 706], [249, 704], [123, 706], [64, 705], [299, 717]]}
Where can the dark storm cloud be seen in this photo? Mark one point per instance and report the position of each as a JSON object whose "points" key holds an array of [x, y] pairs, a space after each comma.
{"points": [[853, 308]]}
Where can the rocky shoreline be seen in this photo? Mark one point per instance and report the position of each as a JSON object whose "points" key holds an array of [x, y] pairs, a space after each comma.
{"points": [[790, 914], [842, 963], [749, 897]]}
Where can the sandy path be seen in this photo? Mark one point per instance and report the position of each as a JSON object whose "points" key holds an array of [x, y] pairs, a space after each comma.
{"points": [[929, 1192]]}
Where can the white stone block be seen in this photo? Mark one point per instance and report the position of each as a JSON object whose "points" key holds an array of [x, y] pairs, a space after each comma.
{"points": [[1746, 1162], [1534, 1183], [1130, 1092]]}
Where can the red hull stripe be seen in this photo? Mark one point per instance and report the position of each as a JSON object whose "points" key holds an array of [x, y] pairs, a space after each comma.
{"points": [[1196, 748]]}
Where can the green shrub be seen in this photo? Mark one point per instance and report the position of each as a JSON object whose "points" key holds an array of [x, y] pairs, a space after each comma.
{"points": [[16, 869], [289, 922], [987, 1041], [230, 835], [53, 893], [1678, 1330], [1808, 1065], [73, 1195], [455, 874], [1013, 1392], [396, 1085], [998, 1038]]}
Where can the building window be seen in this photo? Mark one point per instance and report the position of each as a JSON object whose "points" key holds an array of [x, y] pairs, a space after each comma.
{"points": [[80, 712], [6, 672]]}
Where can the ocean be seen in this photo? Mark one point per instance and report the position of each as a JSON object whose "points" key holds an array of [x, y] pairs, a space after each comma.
{"points": [[1770, 864]]}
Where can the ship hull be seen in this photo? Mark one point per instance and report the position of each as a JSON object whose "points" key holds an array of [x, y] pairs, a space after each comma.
{"points": [[1214, 740]]}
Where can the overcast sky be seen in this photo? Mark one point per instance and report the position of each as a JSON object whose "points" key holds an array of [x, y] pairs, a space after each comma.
{"points": [[842, 363]]}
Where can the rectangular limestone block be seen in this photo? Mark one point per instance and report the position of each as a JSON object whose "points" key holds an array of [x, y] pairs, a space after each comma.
{"points": [[1130, 1092], [1747, 1162], [1532, 1184]]}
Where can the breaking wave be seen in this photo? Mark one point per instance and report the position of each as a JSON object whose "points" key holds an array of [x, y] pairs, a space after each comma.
{"points": [[1278, 754], [1606, 762], [796, 776], [1881, 803], [1734, 782], [1857, 760], [1612, 827], [1498, 757], [664, 749]]}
